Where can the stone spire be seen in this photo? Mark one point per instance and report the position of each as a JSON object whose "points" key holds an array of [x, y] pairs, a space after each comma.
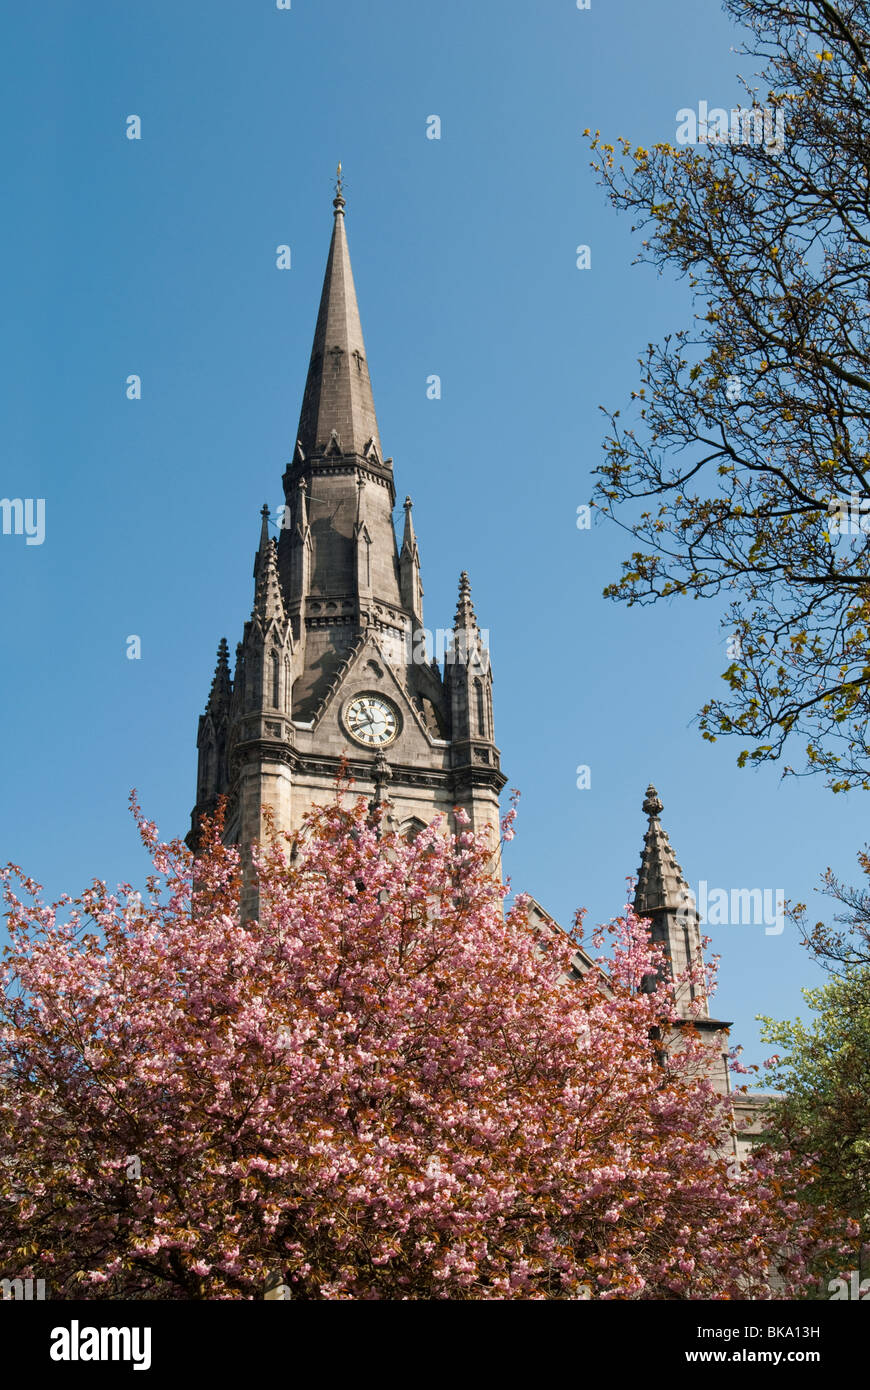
{"points": [[221, 691], [465, 618], [268, 599], [212, 778], [338, 560], [663, 895], [467, 645], [338, 409], [338, 616], [264, 538], [409, 568], [264, 527], [409, 538], [660, 881], [468, 683]]}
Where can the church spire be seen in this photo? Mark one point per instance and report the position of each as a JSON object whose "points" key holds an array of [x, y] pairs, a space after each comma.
{"points": [[663, 895], [268, 600], [468, 683], [665, 898], [409, 538], [221, 686], [337, 627], [660, 881], [465, 618], [409, 568], [264, 538], [338, 409], [212, 775]]}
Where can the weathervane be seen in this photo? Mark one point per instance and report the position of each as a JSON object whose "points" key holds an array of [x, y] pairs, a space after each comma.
{"points": [[338, 200]]}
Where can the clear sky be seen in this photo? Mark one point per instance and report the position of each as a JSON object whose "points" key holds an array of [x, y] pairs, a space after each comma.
{"points": [[158, 257]]}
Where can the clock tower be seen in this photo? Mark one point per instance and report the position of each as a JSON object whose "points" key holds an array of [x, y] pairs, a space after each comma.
{"points": [[335, 665]]}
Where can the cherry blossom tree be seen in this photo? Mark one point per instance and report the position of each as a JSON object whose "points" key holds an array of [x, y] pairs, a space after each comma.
{"points": [[383, 1086]]}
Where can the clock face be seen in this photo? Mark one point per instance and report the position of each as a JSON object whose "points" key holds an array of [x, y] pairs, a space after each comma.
{"points": [[371, 720]]}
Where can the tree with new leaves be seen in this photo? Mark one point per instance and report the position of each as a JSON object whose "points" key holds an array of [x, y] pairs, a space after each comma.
{"points": [[843, 945], [822, 1070], [381, 1087], [744, 468], [822, 1067]]}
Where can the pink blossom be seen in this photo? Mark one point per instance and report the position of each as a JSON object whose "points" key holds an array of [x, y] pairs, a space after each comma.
{"points": [[385, 1086]]}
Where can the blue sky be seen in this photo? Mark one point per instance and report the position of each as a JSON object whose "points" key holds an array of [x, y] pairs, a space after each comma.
{"points": [[157, 257]]}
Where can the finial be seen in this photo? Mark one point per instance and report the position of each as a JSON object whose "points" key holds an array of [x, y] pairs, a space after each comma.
{"points": [[409, 540], [465, 616], [221, 687], [338, 200], [264, 530], [268, 600], [652, 805]]}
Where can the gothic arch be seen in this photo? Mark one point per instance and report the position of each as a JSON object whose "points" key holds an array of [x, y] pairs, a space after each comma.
{"points": [[480, 708], [207, 763]]}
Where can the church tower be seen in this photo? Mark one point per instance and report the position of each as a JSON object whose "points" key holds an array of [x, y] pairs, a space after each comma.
{"points": [[334, 662], [663, 895]]}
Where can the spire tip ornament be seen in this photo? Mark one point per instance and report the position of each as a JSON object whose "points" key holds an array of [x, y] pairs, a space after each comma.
{"points": [[652, 805], [465, 615], [338, 200]]}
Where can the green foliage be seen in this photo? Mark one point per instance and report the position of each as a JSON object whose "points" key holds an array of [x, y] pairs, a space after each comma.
{"points": [[823, 1070], [749, 424]]}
